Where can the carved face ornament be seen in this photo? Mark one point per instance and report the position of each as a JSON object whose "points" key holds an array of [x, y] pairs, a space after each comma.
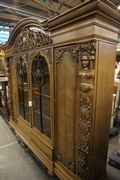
{"points": [[85, 62]]}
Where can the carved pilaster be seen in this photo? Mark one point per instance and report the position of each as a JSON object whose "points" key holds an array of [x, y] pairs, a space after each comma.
{"points": [[4, 99], [48, 53], [9, 62], [86, 92]]}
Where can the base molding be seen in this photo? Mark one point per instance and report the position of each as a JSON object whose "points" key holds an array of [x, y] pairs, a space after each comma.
{"points": [[62, 172]]}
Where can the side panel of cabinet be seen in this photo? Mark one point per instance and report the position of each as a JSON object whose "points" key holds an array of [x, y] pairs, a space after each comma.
{"points": [[105, 61]]}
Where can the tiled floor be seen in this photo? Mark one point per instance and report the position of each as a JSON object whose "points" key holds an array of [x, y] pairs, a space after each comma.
{"points": [[17, 163]]}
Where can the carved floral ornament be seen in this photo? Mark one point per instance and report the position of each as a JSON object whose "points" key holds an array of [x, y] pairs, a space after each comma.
{"points": [[78, 52], [29, 39], [74, 51]]}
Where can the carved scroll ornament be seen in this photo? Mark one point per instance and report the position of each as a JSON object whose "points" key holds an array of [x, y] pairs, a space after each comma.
{"points": [[29, 39]]}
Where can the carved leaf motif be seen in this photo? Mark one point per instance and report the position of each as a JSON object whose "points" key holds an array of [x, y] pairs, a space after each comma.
{"points": [[29, 39], [74, 51]]}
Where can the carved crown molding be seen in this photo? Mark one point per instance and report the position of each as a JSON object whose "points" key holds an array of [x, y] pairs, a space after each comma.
{"points": [[29, 39]]}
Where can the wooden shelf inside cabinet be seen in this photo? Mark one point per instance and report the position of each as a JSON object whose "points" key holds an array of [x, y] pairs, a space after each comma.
{"points": [[48, 117], [45, 95]]}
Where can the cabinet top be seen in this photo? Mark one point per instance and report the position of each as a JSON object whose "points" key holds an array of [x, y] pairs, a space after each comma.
{"points": [[96, 16]]}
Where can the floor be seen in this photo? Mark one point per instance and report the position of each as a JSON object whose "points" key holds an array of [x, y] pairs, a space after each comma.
{"points": [[18, 163]]}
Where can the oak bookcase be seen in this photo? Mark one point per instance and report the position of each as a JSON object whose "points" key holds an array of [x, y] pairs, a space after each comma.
{"points": [[60, 81]]}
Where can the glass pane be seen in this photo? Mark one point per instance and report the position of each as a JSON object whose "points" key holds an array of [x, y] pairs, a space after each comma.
{"points": [[23, 92], [41, 95]]}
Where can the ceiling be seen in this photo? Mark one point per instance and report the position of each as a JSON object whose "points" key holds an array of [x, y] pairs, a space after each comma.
{"points": [[12, 11]]}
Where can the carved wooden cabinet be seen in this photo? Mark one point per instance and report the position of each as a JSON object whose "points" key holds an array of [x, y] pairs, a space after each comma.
{"points": [[61, 74]]}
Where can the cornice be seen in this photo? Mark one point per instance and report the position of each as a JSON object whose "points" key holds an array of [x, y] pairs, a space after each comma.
{"points": [[84, 11], [54, 26]]}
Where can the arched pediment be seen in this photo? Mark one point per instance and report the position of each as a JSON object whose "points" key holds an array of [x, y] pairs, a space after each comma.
{"points": [[29, 34]]}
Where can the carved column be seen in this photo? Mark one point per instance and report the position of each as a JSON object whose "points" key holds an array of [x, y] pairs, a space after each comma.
{"points": [[8, 64]]}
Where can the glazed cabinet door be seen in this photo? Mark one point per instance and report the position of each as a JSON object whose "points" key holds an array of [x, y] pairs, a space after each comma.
{"points": [[23, 89], [40, 85], [32, 89], [18, 89]]}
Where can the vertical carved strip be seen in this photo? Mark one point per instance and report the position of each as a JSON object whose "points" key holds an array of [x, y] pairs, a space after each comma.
{"points": [[9, 102], [4, 99], [86, 92]]}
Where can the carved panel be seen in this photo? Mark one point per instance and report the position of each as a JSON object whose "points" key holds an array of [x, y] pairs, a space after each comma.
{"points": [[74, 51], [86, 91], [67, 60], [29, 40]]}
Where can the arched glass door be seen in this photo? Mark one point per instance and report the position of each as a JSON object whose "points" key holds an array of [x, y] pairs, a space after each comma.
{"points": [[41, 95], [23, 92]]}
